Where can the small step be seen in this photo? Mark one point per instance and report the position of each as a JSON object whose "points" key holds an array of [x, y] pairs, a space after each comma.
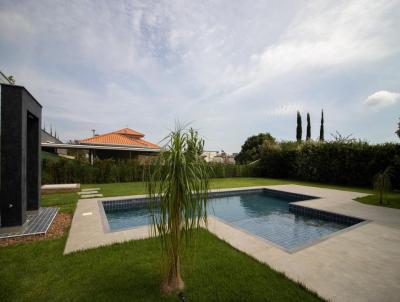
{"points": [[88, 192], [91, 196], [90, 189]]}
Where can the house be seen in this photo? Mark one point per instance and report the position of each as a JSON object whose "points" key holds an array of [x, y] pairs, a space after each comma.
{"points": [[218, 157], [49, 138], [209, 155], [123, 144], [122, 138]]}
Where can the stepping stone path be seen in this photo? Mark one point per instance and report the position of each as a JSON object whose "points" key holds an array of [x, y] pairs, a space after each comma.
{"points": [[90, 193]]}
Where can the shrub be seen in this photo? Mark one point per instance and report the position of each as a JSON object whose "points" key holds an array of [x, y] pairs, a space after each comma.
{"points": [[344, 163], [109, 171]]}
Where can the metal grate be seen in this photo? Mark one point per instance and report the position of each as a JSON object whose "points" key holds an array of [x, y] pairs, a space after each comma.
{"points": [[35, 224]]}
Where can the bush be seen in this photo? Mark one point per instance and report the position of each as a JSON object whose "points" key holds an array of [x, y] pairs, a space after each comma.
{"points": [[220, 170], [341, 163], [109, 171], [102, 171]]}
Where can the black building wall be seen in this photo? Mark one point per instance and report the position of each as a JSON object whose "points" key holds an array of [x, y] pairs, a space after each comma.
{"points": [[20, 154]]}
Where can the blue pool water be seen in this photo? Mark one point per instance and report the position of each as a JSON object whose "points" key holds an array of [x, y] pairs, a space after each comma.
{"points": [[258, 213]]}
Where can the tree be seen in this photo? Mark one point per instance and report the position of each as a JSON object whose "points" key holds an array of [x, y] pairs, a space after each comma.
{"points": [[177, 186], [299, 129], [251, 149], [321, 130], [308, 135], [398, 130]]}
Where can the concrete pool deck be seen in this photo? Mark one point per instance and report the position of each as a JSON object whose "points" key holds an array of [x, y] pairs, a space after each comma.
{"points": [[361, 263]]}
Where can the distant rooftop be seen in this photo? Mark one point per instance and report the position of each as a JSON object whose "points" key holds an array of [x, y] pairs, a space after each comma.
{"points": [[122, 137]]}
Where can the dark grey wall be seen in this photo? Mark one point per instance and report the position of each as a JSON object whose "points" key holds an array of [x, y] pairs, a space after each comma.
{"points": [[20, 154]]}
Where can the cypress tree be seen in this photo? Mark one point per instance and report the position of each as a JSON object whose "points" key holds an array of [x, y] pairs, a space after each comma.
{"points": [[299, 129], [398, 130], [308, 136], [321, 130]]}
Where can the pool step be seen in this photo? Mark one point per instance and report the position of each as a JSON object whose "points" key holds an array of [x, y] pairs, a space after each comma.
{"points": [[91, 196], [90, 189], [88, 192]]}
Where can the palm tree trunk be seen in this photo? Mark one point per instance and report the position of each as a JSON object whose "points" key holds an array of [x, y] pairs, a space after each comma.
{"points": [[173, 279]]}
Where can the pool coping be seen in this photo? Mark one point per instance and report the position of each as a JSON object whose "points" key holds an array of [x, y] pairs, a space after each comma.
{"points": [[100, 227]]}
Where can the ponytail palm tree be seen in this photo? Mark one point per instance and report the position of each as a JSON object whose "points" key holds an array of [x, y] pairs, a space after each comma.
{"points": [[178, 186]]}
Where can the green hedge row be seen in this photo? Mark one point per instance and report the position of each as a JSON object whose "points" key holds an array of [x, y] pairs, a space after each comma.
{"points": [[104, 171], [219, 170], [110, 171], [352, 164]]}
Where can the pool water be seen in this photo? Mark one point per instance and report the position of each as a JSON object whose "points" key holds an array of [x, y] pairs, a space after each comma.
{"points": [[259, 213]]}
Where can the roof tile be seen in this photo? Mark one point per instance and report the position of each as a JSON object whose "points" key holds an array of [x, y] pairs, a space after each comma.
{"points": [[126, 136]]}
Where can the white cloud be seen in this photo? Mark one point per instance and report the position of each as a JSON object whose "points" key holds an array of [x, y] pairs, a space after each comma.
{"points": [[382, 99], [286, 109]]}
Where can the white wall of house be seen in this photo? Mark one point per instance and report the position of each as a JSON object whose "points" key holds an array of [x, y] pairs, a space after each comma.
{"points": [[209, 155]]}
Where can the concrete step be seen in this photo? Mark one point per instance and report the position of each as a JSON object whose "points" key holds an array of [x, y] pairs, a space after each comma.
{"points": [[88, 192], [91, 196], [90, 189]]}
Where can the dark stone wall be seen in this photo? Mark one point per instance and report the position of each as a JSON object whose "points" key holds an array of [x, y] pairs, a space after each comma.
{"points": [[20, 154]]}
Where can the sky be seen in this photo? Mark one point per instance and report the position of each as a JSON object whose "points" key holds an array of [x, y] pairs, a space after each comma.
{"points": [[231, 69]]}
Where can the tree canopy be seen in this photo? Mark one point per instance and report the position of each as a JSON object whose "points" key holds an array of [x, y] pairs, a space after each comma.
{"points": [[251, 148]]}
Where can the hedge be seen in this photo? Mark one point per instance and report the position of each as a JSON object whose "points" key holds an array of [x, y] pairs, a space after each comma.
{"points": [[352, 164], [112, 171]]}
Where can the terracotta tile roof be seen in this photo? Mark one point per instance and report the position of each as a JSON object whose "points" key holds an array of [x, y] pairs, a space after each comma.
{"points": [[129, 132], [125, 136]]}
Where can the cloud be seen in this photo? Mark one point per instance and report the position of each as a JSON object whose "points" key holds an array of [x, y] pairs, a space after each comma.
{"points": [[12, 24], [287, 109], [223, 64], [382, 99]]}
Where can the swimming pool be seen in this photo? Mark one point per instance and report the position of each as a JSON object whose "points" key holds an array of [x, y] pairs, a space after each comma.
{"points": [[268, 214]]}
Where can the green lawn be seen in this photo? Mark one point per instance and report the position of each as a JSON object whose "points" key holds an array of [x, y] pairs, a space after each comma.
{"points": [[68, 201], [130, 272]]}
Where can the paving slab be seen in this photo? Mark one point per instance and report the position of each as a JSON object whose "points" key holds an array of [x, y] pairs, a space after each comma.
{"points": [[90, 189], [91, 196], [361, 263], [88, 192]]}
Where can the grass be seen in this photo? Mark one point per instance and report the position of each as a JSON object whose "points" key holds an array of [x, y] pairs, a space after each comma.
{"points": [[68, 201], [130, 272], [392, 200]]}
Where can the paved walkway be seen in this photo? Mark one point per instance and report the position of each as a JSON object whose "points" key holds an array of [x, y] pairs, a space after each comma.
{"points": [[359, 264]]}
